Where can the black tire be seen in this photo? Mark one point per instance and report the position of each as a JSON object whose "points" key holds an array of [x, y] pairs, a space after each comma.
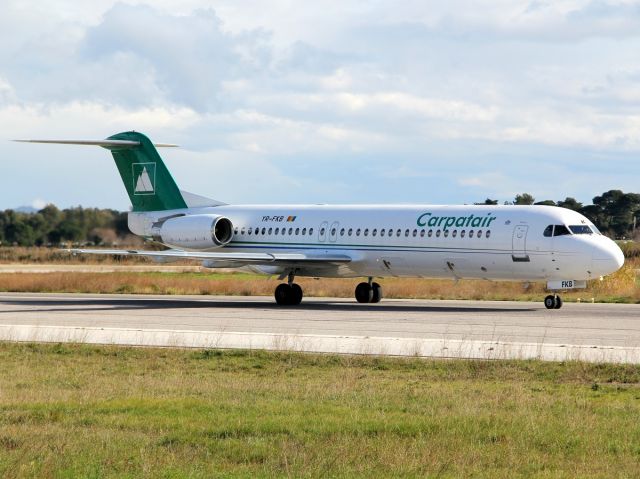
{"points": [[364, 293], [296, 294], [283, 294], [377, 293], [558, 301], [550, 302]]}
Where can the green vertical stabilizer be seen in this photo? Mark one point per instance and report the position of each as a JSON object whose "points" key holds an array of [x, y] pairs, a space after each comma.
{"points": [[144, 174]]}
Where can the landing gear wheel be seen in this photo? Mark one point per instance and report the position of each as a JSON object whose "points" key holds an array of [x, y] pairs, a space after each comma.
{"points": [[283, 294], [377, 292], [558, 304], [553, 302], [550, 302], [296, 294], [288, 294], [364, 293]]}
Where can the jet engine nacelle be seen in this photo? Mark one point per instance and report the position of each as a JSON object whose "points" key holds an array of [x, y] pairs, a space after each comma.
{"points": [[196, 231]]}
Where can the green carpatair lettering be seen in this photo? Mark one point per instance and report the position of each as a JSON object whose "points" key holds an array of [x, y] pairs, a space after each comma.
{"points": [[471, 221], [420, 222], [469, 218]]}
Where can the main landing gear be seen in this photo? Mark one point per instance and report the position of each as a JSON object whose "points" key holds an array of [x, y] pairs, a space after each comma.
{"points": [[289, 293], [553, 301], [369, 292]]}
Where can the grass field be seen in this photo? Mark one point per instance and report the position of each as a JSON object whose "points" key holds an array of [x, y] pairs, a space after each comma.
{"points": [[623, 287], [86, 411]]}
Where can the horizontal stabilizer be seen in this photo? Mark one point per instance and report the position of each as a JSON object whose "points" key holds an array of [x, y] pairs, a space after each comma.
{"points": [[103, 143]]}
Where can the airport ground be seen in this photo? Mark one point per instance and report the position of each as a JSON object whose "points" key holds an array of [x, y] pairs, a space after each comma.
{"points": [[97, 411], [94, 410]]}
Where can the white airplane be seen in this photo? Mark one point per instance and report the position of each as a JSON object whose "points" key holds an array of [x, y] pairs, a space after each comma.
{"points": [[514, 243]]}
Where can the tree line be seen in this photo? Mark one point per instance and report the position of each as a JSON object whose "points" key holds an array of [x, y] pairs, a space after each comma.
{"points": [[51, 226], [615, 213]]}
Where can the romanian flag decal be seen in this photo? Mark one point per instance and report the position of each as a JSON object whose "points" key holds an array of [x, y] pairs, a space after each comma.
{"points": [[291, 219]]}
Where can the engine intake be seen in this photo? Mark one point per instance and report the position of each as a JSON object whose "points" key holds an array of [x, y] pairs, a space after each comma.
{"points": [[196, 231]]}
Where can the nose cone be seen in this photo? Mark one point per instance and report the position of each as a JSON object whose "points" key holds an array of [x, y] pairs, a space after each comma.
{"points": [[607, 257]]}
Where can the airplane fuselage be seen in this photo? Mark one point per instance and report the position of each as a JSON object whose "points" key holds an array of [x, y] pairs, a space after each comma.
{"points": [[490, 242]]}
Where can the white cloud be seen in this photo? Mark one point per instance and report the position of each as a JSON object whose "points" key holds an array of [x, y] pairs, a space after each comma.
{"points": [[332, 101]]}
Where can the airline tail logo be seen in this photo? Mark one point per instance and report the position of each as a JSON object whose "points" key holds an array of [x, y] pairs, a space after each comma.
{"points": [[144, 178]]}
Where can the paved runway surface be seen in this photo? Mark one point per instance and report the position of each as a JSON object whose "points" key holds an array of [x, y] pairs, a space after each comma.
{"points": [[478, 329]]}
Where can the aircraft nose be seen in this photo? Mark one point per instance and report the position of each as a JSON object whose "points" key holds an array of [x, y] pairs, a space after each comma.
{"points": [[607, 257]]}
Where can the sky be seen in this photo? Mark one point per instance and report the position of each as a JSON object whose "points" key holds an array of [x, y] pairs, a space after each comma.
{"points": [[338, 101]]}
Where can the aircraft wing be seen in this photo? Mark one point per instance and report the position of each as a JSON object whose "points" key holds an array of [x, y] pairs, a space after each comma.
{"points": [[244, 258]]}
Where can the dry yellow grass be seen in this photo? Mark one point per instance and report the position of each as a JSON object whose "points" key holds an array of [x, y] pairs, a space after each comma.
{"points": [[619, 287]]}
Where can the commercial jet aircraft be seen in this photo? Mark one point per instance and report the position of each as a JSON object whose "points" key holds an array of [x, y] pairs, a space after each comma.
{"points": [[517, 243]]}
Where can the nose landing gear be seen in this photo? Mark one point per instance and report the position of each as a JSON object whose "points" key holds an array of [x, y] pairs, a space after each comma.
{"points": [[553, 301], [368, 292], [289, 293]]}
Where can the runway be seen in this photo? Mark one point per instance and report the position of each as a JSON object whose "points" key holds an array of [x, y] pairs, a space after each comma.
{"points": [[447, 329]]}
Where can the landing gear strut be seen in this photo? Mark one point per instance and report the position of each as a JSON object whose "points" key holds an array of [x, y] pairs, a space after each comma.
{"points": [[553, 301], [289, 293], [369, 292]]}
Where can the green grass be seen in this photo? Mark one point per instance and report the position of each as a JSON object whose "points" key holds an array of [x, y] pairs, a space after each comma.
{"points": [[86, 411]]}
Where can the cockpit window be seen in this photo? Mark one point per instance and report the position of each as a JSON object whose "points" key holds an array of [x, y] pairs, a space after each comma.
{"points": [[548, 231], [581, 229], [560, 230]]}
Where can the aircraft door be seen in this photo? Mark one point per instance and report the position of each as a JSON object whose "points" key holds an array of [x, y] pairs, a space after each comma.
{"points": [[322, 231], [333, 231], [519, 244]]}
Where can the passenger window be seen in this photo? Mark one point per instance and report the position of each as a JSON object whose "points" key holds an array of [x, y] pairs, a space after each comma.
{"points": [[446, 233], [366, 231], [430, 233], [342, 232], [304, 231], [264, 230], [290, 231], [333, 232], [470, 233], [350, 231], [479, 233], [358, 232], [438, 234], [277, 231], [321, 231], [415, 233], [242, 231], [488, 233], [548, 231], [235, 231], [462, 233], [249, 231], [560, 230], [406, 232], [382, 232], [374, 232], [297, 231], [455, 233], [310, 231], [398, 233], [421, 233], [270, 230]]}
